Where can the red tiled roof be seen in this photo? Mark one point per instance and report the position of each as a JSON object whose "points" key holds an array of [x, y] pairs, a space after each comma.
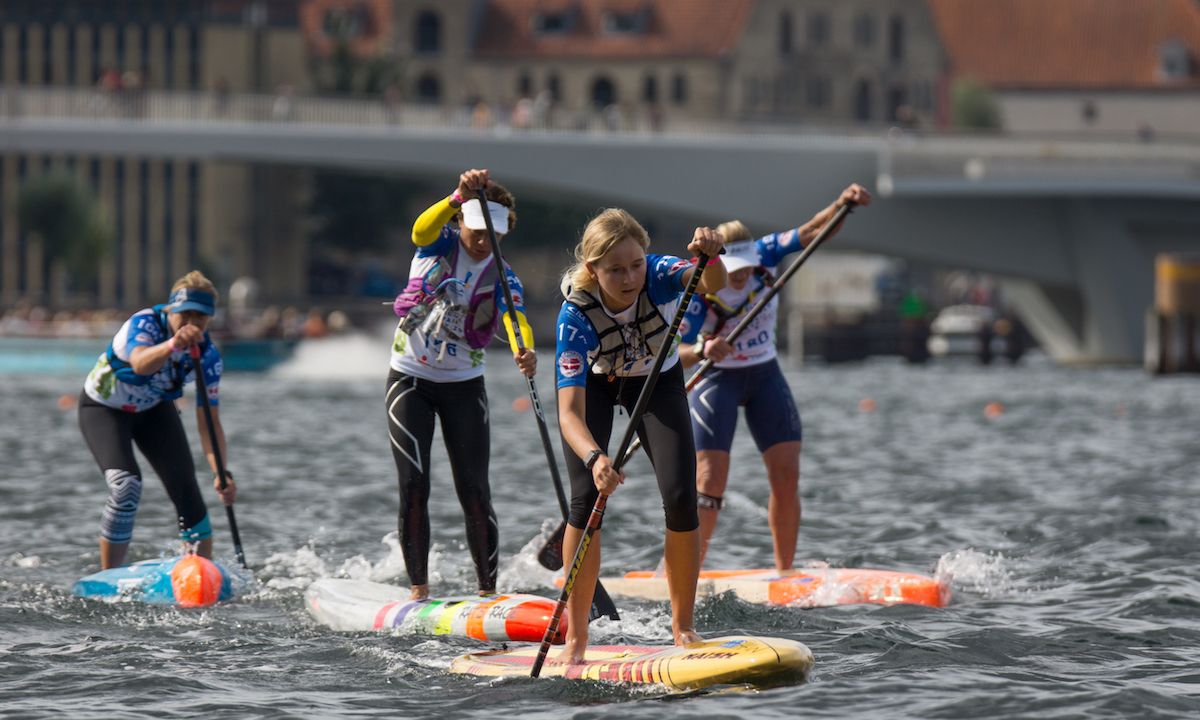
{"points": [[676, 28], [1100, 44]]}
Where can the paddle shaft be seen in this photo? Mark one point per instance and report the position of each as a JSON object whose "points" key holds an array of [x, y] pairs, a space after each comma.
{"points": [[602, 604], [762, 303], [635, 418], [202, 391], [543, 430]]}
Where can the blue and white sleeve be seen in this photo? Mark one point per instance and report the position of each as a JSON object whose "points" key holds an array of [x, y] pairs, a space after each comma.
{"points": [[575, 338], [664, 277], [773, 248]]}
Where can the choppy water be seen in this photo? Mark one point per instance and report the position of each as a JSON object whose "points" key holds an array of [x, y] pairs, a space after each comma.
{"points": [[1067, 525]]}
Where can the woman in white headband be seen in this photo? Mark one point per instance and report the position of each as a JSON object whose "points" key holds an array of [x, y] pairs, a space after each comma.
{"points": [[449, 312]]}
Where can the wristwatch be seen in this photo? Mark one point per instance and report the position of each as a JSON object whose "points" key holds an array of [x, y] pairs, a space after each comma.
{"points": [[592, 457]]}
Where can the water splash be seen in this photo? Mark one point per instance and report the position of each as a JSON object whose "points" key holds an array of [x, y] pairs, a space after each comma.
{"points": [[987, 574], [356, 355]]}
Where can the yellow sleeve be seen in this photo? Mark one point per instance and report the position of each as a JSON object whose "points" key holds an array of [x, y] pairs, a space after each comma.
{"points": [[429, 224], [526, 331]]}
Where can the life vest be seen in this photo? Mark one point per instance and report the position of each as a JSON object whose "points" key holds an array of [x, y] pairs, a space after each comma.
{"points": [[725, 313], [621, 344], [436, 303]]}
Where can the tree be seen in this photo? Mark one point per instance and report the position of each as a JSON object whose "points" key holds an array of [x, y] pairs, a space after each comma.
{"points": [[67, 217], [974, 106]]}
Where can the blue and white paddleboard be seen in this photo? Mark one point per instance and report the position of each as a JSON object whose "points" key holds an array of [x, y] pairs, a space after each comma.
{"points": [[187, 581]]}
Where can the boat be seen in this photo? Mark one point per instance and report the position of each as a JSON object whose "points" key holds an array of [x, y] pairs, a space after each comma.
{"points": [[362, 605], [806, 587], [732, 660], [186, 581]]}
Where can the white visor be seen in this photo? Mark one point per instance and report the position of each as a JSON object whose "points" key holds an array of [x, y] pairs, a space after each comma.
{"points": [[740, 255], [473, 216]]}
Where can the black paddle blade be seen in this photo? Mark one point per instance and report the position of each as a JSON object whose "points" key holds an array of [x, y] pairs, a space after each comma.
{"points": [[550, 556], [602, 605]]}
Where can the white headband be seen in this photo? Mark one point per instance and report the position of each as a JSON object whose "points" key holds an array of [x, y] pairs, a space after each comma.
{"points": [[473, 216]]}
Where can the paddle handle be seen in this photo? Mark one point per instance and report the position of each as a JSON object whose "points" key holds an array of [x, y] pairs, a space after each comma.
{"points": [[202, 392]]}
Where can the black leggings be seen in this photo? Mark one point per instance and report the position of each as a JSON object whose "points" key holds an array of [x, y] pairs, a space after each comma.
{"points": [[412, 404], [666, 434], [158, 432]]}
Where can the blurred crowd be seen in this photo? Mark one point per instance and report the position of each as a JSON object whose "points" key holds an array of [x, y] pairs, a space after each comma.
{"points": [[269, 323]]}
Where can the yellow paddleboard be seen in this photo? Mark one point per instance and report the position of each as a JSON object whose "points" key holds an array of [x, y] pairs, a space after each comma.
{"points": [[721, 661]]}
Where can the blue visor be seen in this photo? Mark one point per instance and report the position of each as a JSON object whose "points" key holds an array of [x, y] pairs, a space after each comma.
{"points": [[185, 299]]}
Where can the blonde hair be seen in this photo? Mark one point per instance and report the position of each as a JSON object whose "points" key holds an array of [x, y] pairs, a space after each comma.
{"points": [[195, 280], [733, 231], [601, 235]]}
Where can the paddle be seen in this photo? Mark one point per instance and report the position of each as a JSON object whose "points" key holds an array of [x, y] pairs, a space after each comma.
{"points": [[754, 311], [602, 604], [202, 391], [635, 418]]}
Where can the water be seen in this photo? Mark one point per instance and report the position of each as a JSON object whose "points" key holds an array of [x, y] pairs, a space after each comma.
{"points": [[1067, 525]]}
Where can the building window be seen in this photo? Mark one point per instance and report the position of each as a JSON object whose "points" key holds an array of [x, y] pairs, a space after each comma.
{"points": [[603, 93], [194, 59], [168, 218], [818, 29], [72, 55], [47, 54], [429, 89], [679, 89], [554, 87], [554, 23], [23, 56], [119, 229], [168, 58], [193, 214], [625, 23], [143, 222], [97, 68], [862, 101], [896, 39], [785, 34], [650, 89], [428, 38], [524, 84], [1174, 61], [818, 92], [864, 31]]}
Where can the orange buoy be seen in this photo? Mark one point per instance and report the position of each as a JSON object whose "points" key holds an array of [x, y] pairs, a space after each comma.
{"points": [[522, 404], [866, 405], [196, 581], [993, 410], [66, 402]]}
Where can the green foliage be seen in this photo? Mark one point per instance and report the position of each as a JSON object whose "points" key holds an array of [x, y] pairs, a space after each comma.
{"points": [[974, 106], [357, 213], [60, 210]]}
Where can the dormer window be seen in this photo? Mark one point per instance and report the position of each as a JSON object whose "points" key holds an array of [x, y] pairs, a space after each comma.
{"points": [[1174, 62], [554, 23], [626, 23]]}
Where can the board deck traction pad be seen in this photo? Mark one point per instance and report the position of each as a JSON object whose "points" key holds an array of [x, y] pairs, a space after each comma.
{"points": [[719, 661]]}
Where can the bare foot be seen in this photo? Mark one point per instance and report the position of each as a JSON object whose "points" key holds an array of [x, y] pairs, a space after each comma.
{"points": [[420, 592], [487, 593], [569, 655], [685, 637]]}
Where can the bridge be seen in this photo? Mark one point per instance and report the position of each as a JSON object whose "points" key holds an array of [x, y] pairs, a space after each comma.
{"points": [[1070, 227]]}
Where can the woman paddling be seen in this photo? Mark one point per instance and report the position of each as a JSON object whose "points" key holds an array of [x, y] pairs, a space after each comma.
{"points": [[612, 324], [126, 400], [448, 314], [747, 374]]}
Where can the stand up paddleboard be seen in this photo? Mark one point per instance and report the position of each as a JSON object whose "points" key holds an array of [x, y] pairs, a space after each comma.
{"points": [[807, 587], [187, 581], [361, 605], [720, 661]]}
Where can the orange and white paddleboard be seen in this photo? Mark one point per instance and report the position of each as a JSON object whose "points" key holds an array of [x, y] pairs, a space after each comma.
{"points": [[361, 605], [806, 587], [743, 660]]}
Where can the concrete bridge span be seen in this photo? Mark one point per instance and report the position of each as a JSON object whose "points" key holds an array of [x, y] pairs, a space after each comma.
{"points": [[1071, 227]]}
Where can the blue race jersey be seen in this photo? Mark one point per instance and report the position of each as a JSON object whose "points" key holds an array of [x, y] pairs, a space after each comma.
{"points": [[577, 343]]}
